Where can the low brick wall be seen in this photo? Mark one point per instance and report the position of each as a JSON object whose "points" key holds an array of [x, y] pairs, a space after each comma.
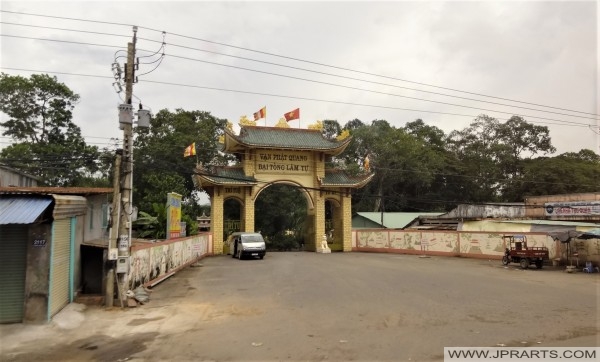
{"points": [[152, 262], [472, 244], [447, 243]]}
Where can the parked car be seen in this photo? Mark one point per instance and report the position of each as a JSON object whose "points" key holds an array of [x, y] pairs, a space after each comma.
{"points": [[242, 244]]}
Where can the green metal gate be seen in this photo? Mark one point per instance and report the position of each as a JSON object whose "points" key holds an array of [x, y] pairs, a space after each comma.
{"points": [[13, 263]]}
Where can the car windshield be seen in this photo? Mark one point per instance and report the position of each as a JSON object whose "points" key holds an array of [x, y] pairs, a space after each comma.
{"points": [[251, 238]]}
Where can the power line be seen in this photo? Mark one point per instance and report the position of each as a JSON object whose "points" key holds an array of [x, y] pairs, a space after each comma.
{"points": [[63, 29], [577, 124], [367, 73], [61, 41], [65, 18], [363, 80], [373, 91], [560, 122], [302, 60], [290, 67], [318, 82]]}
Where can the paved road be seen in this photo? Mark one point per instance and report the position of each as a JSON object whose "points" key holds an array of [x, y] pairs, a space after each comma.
{"points": [[313, 307]]}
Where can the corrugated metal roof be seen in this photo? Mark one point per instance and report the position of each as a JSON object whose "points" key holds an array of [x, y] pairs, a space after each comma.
{"points": [[56, 190], [549, 222], [68, 206], [22, 210], [395, 220]]}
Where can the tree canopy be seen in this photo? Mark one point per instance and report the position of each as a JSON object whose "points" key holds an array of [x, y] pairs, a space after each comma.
{"points": [[159, 165], [49, 145], [417, 167]]}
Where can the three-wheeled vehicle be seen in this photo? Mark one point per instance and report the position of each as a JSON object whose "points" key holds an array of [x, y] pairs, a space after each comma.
{"points": [[517, 251]]}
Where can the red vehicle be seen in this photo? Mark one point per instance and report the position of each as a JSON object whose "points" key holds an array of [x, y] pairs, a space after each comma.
{"points": [[517, 251]]}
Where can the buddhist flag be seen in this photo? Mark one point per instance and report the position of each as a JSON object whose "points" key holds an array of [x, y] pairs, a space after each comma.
{"points": [[260, 114], [295, 114], [190, 150]]}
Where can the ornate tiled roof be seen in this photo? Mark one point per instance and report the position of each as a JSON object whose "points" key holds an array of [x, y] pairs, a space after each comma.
{"points": [[341, 178], [226, 175], [283, 138]]}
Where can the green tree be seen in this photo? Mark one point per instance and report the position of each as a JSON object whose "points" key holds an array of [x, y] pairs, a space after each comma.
{"points": [[353, 124], [405, 168], [49, 145], [280, 209], [331, 129], [567, 173], [160, 167], [492, 155], [477, 149]]}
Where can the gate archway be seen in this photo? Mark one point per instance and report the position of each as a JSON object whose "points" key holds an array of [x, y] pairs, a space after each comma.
{"points": [[283, 155]]}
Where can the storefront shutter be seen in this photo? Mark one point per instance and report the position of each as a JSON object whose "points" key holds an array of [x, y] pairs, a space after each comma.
{"points": [[59, 265], [13, 259]]}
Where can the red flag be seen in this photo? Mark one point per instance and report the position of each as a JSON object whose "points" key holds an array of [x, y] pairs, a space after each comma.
{"points": [[260, 114], [295, 114], [190, 150]]}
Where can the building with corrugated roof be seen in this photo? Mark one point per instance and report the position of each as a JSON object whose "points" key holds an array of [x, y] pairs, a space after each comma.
{"points": [[43, 231]]}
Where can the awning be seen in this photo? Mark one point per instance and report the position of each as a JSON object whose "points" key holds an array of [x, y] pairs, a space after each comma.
{"points": [[22, 210], [590, 234]]}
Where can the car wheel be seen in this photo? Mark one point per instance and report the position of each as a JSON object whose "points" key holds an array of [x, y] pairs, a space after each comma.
{"points": [[261, 257], [539, 264], [524, 263], [505, 260]]}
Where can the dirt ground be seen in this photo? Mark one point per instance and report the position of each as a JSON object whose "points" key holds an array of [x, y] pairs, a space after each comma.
{"points": [[314, 307]]}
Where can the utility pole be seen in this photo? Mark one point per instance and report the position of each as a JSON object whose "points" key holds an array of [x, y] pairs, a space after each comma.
{"points": [[126, 209], [114, 229]]}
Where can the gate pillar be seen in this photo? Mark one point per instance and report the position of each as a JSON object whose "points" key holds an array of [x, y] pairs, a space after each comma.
{"points": [[319, 220], [346, 223], [216, 214], [248, 212]]}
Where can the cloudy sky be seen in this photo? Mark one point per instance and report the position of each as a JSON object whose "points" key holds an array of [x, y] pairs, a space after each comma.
{"points": [[444, 62]]}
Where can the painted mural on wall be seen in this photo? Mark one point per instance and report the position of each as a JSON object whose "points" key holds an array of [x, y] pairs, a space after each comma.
{"points": [[449, 242], [440, 242], [482, 243], [580, 250], [151, 262], [373, 239]]}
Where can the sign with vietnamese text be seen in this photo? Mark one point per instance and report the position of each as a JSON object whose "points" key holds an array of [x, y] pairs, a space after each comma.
{"points": [[575, 208], [283, 162], [173, 215]]}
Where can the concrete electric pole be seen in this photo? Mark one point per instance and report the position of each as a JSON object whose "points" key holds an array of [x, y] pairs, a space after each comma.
{"points": [[123, 207]]}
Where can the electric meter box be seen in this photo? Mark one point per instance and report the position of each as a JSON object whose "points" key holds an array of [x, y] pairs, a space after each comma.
{"points": [[123, 264]]}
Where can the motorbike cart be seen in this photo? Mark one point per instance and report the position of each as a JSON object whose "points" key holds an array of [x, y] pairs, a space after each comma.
{"points": [[517, 251]]}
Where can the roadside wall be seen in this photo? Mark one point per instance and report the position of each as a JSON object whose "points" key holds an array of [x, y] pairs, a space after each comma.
{"points": [[454, 243], [151, 262]]}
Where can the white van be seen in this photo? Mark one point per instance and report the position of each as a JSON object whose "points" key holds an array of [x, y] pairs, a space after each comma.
{"points": [[243, 244]]}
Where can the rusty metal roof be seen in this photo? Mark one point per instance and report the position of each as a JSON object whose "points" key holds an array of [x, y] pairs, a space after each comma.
{"points": [[55, 190], [22, 210]]}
